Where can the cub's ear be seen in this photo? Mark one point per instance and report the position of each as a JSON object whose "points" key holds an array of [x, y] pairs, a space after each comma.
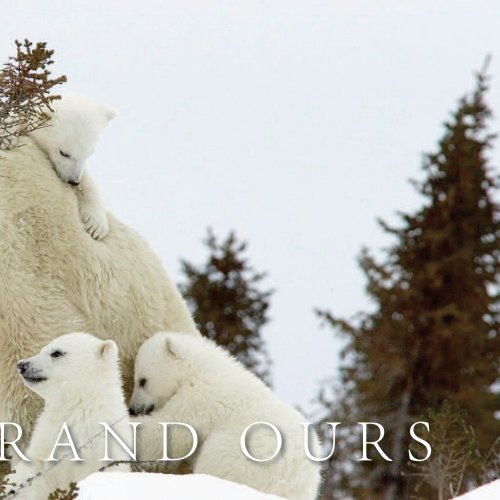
{"points": [[108, 349], [109, 113], [171, 350]]}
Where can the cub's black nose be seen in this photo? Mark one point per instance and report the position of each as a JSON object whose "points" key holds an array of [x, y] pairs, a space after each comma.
{"points": [[22, 366], [140, 410], [73, 183]]}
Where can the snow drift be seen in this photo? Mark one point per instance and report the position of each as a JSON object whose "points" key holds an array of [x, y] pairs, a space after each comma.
{"points": [[131, 486], [489, 491]]}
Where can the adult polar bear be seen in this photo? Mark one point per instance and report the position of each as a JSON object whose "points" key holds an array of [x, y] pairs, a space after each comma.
{"points": [[54, 278]]}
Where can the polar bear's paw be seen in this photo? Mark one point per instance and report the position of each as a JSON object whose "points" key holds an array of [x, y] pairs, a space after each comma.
{"points": [[95, 221]]}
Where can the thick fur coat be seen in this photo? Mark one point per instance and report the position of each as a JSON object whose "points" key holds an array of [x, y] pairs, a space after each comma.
{"points": [[180, 378], [79, 378], [55, 279]]}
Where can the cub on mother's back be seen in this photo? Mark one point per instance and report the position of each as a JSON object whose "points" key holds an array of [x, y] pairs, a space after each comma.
{"points": [[68, 139], [180, 378]]}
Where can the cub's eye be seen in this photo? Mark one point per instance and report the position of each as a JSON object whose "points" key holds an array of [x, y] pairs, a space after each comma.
{"points": [[56, 354], [142, 382], [66, 155]]}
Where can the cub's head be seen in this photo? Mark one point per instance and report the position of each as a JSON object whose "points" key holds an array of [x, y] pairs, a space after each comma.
{"points": [[161, 367], [70, 364], [71, 134]]}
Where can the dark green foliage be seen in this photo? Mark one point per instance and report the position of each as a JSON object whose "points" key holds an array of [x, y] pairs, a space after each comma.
{"points": [[434, 335], [455, 456], [25, 85], [227, 302]]}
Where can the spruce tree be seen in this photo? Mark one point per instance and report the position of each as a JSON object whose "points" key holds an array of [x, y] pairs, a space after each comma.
{"points": [[454, 454], [25, 86], [227, 302], [434, 335]]}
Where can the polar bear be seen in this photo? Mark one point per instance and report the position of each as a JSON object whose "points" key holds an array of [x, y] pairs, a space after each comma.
{"points": [[187, 379], [55, 279], [78, 376], [69, 138]]}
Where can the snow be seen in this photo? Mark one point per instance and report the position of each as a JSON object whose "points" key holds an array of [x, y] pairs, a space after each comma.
{"points": [[489, 491], [131, 486]]}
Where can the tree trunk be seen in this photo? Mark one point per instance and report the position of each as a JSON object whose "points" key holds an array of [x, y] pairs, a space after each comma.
{"points": [[393, 491]]}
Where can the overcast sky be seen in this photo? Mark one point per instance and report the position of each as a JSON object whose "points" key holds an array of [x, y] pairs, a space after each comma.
{"points": [[297, 123]]}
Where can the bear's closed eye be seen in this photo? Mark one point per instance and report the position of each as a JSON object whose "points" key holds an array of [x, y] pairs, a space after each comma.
{"points": [[56, 354]]}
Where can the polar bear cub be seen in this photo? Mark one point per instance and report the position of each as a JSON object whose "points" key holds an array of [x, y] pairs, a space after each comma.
{"points": [[69, 138], [78, 377], [188, 379]]}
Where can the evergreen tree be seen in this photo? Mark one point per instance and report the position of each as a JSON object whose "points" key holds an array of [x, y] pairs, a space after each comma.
{"points": [[227, 302], [454, 453], [25, 85], [434, 335]]}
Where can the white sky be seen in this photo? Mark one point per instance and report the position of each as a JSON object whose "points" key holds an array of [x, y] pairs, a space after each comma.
{"points": [[296, 123]]}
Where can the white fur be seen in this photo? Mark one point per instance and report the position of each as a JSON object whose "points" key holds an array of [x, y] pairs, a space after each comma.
{"points": [[54, 279], [82, 388], [68, 139], [190, 379]]}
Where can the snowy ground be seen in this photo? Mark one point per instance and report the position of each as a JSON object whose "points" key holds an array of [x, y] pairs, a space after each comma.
{"points": [[131, 486], [489, 491]]}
